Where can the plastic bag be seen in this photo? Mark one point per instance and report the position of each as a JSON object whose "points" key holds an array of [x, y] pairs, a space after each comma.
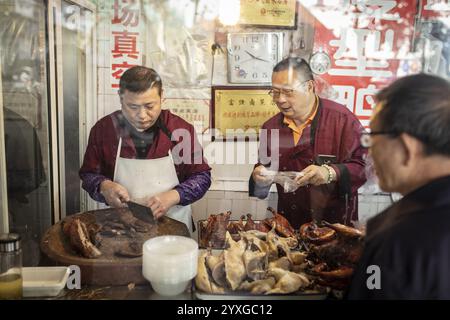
{"points": [[286, 179]]}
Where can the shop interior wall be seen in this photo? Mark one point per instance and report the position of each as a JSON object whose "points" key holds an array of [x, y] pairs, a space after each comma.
{"points": [[167, 38]]}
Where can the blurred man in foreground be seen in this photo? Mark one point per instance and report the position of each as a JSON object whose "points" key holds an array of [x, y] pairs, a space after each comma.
{"points": [[407, 250]]}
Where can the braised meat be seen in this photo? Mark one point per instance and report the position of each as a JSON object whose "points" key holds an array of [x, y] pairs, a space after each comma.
{"points": [[80, 238], [129, 250], [282, 225], [234, 227], [335, 249], [216, 227]]}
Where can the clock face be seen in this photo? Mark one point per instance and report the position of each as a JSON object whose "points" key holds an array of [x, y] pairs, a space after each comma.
{"points": [[252, 56], [320, 62]]}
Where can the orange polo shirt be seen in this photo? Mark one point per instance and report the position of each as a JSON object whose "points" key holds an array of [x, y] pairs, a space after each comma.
{"points": [[298, 130]]}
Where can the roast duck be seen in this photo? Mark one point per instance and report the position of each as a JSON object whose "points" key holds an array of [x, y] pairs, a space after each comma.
{"points": [[252, 262], [85, 236], [213, 231], [334, 250]]}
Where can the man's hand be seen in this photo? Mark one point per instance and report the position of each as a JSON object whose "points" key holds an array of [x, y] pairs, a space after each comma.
{"points": [[162, 202], [314, 175], [115, 194], [259, 178]]}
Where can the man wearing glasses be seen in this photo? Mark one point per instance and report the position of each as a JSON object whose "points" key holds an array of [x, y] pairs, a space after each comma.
{"points": [[407, 250], [314, 136]]}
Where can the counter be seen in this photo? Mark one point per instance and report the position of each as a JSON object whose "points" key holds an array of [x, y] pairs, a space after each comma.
{"points": [[141, 292]]}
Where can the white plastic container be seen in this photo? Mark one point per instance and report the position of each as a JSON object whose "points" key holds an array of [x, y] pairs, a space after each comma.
{"points": [[170, 263], [44, 281]]}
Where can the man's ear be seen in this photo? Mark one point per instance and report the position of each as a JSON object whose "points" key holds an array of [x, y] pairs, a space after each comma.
{"points": [[413, 149], [310, 85]]}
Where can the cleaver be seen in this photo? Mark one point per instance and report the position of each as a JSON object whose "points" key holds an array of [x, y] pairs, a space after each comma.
{"points": [[141, 212]]}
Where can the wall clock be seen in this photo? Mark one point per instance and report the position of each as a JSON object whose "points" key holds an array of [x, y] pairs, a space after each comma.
{"points": [[320, 62], [252, 56]]}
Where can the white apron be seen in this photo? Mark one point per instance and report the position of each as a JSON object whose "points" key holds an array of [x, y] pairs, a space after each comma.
{"points": [[143, 178]]}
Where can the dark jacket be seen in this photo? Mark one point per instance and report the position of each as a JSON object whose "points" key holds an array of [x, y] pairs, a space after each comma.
{"points": [[334, 131], [25, 168], [410, 243]]}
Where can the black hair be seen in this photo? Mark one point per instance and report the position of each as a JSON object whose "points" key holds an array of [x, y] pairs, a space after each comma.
{"points": [[139, 79], [418, 105], [299, 65]]}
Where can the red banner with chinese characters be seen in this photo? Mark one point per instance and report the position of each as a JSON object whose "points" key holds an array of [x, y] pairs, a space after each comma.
{"points": [[126, 48], [368, 42], [435, 9]]}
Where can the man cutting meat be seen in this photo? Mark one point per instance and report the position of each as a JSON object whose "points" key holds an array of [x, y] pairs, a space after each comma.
{"points": [[134, 153]]}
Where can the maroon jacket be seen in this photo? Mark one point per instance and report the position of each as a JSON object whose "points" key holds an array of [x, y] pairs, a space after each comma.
{"points": [[100, 157], [334, 131]]}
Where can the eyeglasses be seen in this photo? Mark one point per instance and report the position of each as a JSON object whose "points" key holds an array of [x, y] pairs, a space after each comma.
{"points": [[366, 137], [288, 93], [276, 93]]}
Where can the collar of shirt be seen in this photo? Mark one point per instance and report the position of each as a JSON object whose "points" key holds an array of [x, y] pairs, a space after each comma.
{"points": [[298, 130]]}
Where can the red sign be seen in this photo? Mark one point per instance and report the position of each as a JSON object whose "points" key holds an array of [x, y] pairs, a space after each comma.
{"points": [[367, 41], [124, 38]]}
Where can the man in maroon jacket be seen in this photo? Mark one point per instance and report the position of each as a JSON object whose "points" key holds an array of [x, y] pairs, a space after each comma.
{"points": [[145, 154], [314, 136]]}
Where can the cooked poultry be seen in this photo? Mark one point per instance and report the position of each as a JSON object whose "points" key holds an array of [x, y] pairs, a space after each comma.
{"points": [[214, 233], [250, 225], [344, 230], [343, 272], [312, 233], [277, 247], [80, 238], [130, 221], [283, 226], [202, 279], [263, 227], [244, 265], [291, 242], [341, 251], [255, 263], [282, 263], [234, 262], [251, 237], [213, 260], [234, 227], [258, 286], [129, 250], [218, 274], [287, 282], [300, 268], [297, 257], [257, 234], [335, 252]]}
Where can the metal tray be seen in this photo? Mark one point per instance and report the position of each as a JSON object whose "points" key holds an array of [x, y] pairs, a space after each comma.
{"points": [[244, 295], [238, 295]]}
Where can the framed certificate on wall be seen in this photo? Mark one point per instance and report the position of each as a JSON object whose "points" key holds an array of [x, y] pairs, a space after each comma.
{"points": [[273, 14], [239, 112], [194, 111]]}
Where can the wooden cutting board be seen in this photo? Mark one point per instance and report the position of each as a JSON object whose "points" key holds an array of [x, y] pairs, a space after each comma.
{"points": [[108, 269]]}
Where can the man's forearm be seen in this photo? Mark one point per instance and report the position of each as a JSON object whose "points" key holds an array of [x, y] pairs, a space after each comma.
{"points": [[91, 183], [194, 187]]}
